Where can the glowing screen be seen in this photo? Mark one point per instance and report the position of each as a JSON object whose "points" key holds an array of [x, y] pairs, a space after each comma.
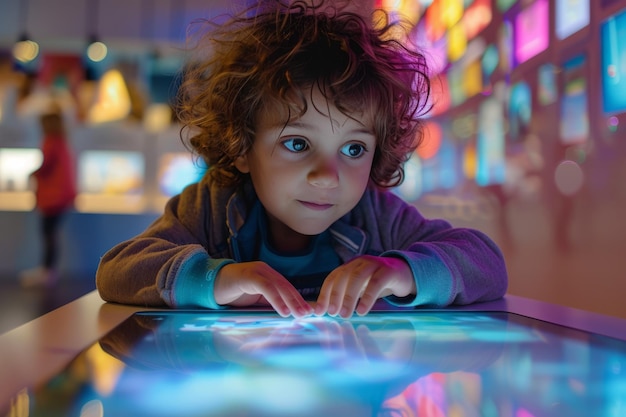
{"points": [[16, 187], [520, 108], [435, 363], [547, 92], [477, 17], [571, 16], [111, 172], [111, 182], [177, 170], [411, 188], [574, 111], [490, 167], [435, 25], [489, 62], [613, 42], [505, 46], [531, 31], [16, 164]]}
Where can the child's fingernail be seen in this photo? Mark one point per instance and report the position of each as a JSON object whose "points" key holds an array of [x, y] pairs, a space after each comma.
{"points": [[332, 310]]}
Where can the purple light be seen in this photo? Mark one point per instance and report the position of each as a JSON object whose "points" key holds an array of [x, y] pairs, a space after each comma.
{"points": [[531, 31]]}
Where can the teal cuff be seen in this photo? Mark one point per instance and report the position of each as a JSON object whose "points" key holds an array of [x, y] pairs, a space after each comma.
{"points": [[195, 284], [432, 280]]}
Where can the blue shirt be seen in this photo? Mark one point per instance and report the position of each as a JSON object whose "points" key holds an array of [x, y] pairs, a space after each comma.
{"points": [[305, 270]]}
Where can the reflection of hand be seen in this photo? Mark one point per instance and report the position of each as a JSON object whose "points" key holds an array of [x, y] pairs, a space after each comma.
{"points": [[364, 280], [247, 283], [348, 344]]}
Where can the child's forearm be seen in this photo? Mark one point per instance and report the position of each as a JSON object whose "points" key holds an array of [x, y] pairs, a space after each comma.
{"points": [[464, 268], [153, 272]]}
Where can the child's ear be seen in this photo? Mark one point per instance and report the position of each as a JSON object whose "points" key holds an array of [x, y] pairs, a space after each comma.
{"points": [[241, 163]]}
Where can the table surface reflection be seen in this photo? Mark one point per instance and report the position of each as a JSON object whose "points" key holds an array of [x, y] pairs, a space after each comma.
{"points": [[513, 357]]}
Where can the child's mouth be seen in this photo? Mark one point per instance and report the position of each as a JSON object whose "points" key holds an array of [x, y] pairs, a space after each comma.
{"points": [[316, 206]]}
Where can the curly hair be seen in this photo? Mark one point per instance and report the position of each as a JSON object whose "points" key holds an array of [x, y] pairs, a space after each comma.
{"points": [[271, 54]]}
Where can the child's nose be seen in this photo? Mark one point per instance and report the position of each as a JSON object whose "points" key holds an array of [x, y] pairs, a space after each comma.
{"points": [[324, 174]]}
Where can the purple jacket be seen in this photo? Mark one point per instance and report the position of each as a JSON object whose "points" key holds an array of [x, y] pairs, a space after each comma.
{"points": [[175, 260]]}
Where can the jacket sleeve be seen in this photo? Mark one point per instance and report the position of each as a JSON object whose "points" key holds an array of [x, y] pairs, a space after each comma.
{"points": [[451, 265], [167, 264]]}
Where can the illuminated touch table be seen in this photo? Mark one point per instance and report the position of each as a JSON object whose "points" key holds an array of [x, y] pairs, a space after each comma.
{"points": [[576, 359]]}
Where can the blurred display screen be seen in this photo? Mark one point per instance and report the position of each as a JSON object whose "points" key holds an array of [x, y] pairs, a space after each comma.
{"points": [[435, 363], [435, 22], [411, 188], [111, 182], [574, 109], [571, 16], [16, 164], [177, 170], [489, 62], [472, 78], [532, 33], [440, 94], [437, 56], [505, 46], [547, 90], [613, 43], [520, 108], [490, 168], [111, 172], [16, 188], [456, 84], [477, 17], [457, 42]]}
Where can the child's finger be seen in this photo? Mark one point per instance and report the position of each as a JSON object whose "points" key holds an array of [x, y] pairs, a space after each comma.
{"points": [[298, 306], [277, 291], [367, 301], [288, 302], [355, 286], [331, 295]]}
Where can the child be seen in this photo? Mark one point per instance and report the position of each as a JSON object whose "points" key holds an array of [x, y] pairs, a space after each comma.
{"points": [[55, 193], [305, 115]]}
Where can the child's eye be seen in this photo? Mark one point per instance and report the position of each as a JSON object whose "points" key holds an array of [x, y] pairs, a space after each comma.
{"points": [[295, 144], [353, 150]]}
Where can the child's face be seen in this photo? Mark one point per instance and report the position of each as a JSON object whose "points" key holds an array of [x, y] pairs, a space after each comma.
{"points": [[312, 171]]}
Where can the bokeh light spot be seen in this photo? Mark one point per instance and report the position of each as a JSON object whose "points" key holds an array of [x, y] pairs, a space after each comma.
{"points": [[569, 177]]}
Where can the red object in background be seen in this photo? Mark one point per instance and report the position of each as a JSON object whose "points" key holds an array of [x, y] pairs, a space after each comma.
{"points": [[65, 68]]}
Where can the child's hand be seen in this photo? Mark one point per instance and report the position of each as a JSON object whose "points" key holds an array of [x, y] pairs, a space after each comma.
{"points": [[364, 280], [247, 283]]}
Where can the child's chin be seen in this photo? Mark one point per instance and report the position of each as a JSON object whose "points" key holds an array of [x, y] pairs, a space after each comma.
{"points": [[313, 229]]}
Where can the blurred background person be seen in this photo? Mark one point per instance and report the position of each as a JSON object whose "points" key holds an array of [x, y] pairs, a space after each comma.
{"points": [[55, 191]]}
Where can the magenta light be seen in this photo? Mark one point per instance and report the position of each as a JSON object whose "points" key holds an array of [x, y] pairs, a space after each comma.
{"points": [[531, 31]]}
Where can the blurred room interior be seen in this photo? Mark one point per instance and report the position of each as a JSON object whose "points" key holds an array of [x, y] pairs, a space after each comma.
{"points": [[525, 140]]}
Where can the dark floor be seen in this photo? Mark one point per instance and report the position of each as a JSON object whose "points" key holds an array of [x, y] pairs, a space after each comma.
{"points": [[19, 306]]}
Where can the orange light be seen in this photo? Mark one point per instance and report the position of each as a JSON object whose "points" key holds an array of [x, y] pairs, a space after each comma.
{"points": [[469, 161], [113, 100], [432, 141], [440, 94], [435, 27], [477, 17]]}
